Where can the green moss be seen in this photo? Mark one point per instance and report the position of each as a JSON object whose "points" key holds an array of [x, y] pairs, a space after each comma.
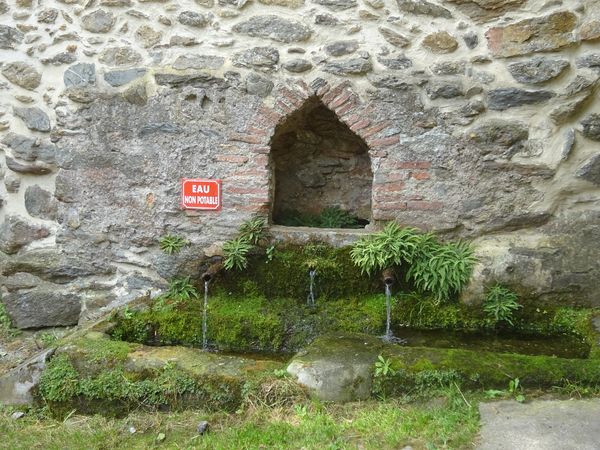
{"points": [[114, 391], [285, 275], [421, 313], [249, 324], [255, 323], [99, 349], [488, 369], [59, 382]]}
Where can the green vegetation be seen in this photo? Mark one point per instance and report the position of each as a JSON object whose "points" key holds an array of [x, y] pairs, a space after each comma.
{"points": [[6, 329], [180, 292], [439, 270], [487, 369], [383, 367], [392, 424], [252, 233], [236, 253], [251, 323], [254, 230], [332, 217], [171, 243], [114, 391], [285, 275], [393, 246], [47, 339], [500, 303], [247, 321]]}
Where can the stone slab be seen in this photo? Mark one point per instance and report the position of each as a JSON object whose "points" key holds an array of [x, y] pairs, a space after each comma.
{"points": [[540, 425]]}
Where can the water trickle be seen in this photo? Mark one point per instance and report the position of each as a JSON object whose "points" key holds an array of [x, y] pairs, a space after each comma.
{"points": [[389, 336], [204, 317], [311, 292]]}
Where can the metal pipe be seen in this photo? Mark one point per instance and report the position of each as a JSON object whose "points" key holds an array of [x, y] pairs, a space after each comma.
{"points": [[212, 270], [388, 277]]}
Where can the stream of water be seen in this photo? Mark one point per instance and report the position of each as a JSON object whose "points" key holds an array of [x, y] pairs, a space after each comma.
{"points": [[204, 317], [388, 310], [311, 293], [389, 335]]}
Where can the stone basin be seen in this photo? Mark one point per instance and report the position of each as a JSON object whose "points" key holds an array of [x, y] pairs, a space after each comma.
{"points": [[340, 367]]}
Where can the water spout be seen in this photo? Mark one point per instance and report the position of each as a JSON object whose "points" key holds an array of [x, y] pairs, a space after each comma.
{"points": [[388, 277], [388, 280], [212, 270], [205, 314], [312, 272]]}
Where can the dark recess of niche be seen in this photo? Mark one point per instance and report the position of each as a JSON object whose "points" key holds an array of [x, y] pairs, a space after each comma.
{"points": [[322, 171]]}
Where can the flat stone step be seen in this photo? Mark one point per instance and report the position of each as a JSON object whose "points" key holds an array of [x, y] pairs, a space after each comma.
{"points": [[540, 425]]}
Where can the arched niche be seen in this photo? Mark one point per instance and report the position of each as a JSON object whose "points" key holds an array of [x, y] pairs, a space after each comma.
{"points": [[319, 163]]}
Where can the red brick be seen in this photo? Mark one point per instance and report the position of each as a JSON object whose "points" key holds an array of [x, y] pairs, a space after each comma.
{"points": [[240, 159], [340, 99], [285, 108], [351, 120], [250, 173], [384, 142], [383, 215], [424, 205], [409, 164], [389, 206], [360, 125], [305, 88], [383, 198], [420, 176], [390, 187], [333, 93], [260, 160], [266, 116], [247, 190], [262, 150], [391, 177], [292, 96], [258, 131], [350, 105], [323, 90], [248, 138], [243, 205], [374, 129]]}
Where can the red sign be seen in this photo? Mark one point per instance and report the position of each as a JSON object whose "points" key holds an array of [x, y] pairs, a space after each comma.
{"points": [[200, 194]]}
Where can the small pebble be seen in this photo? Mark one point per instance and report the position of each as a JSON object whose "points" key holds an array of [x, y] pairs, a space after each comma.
{"points": [[202, 427], [132, 430]]}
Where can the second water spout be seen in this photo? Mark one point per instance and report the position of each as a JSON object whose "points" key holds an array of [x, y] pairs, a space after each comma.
{"points": [[205, 316], [311, 290]]}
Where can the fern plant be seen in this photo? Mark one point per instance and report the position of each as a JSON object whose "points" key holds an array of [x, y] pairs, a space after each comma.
{"points": [[253, 230], [236, 253], [392, 246], [336, 218], [181, 289], [441, 269], [171, 243], [500, 304]]}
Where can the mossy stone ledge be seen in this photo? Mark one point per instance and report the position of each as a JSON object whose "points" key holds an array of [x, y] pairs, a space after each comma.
{"points": [[94, 374]]}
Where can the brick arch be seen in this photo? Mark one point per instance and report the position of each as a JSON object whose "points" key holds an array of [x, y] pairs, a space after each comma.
{"points": [[259, 130]]}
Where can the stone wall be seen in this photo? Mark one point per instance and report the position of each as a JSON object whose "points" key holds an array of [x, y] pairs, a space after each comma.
{"points": [[481, 120]]}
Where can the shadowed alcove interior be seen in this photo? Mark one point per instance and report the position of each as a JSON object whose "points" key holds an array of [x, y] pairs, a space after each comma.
{"points": [[319, 165]]}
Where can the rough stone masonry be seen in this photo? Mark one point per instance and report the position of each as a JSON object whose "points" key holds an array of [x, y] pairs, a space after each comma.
{"points": [[480, 120]]}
